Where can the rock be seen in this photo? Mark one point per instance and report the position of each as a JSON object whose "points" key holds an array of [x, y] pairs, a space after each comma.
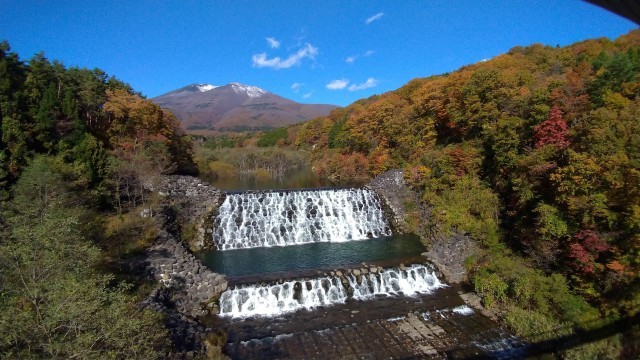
{"points": [[373, 269], [355, 272], [364, 271], [339, 273]]}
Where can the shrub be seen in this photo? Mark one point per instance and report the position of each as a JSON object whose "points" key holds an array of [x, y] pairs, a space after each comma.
{"points": [[221, 169]]}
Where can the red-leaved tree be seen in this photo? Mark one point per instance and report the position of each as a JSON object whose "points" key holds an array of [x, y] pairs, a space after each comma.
{"points": [[552, 131], [587, 247]]}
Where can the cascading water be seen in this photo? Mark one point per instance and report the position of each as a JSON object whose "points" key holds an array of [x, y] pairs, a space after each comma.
{"points": [[281, 298], [272, 300], [409, 281], [265, 219]]}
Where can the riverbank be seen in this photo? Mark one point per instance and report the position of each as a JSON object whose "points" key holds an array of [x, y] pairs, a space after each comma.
{"points": [[408, 213]]}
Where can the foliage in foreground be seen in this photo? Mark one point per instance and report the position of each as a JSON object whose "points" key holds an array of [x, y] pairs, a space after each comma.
{"points": [[76, 146], [55, 302]]}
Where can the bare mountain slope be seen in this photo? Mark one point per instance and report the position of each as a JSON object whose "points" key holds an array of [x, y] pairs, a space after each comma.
{"points": [[235, 106]]}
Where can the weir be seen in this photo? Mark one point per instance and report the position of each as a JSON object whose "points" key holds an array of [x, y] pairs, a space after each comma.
{"points": [[282, 218], [330, 296], [280, 298]]}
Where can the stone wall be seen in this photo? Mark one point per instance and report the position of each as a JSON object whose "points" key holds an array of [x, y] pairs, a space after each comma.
{"points": [[194, 288], [196, 203], [186, 289], [392, 190], [448, 253]]}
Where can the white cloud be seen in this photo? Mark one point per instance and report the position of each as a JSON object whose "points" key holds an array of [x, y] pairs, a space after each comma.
{"points": [[273, 43], [337, 84], [296, 87], [307, 95], [351, 59], [371, 82], [374, 18], [307, 51]]}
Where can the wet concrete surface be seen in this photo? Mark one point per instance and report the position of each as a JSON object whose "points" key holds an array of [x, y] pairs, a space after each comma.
{"points": [[398, 327]]}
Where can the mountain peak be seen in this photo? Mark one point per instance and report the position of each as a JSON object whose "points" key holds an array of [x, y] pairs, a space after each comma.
{"points": [[251, 91], [235, 106], [205, 87]]}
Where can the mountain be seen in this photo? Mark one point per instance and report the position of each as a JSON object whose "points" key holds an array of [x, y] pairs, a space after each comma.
{"points": [[235, 107]]}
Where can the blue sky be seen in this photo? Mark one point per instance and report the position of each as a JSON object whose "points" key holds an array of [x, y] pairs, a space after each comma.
{"points": [[325, 51]]}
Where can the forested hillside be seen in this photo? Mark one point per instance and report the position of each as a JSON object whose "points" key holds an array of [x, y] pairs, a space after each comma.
{"points": [[76, 146], [535, 153]]}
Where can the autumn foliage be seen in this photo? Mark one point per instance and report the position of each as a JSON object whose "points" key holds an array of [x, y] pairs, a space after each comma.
{"points": [[553, 131], [552, 134], [586, 248]]}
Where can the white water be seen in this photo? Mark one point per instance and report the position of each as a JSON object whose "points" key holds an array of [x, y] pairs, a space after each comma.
{"points": [[297, 217], [463, 310], [273, 300], [281, 298], [410, 281]]}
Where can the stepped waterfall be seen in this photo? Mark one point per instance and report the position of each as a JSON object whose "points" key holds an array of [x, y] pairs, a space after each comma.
{"points": [[412, 280], [265, 219], [337, 297], [275, 299]]}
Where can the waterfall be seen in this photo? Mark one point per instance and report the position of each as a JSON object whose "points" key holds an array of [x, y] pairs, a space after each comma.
{"points": [[281, 298], [276, 299], [265, 219], [408, 281]]}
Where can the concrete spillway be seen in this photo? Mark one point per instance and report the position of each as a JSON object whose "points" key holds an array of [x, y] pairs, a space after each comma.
{"points": [[280, 298], [266, 219]]}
